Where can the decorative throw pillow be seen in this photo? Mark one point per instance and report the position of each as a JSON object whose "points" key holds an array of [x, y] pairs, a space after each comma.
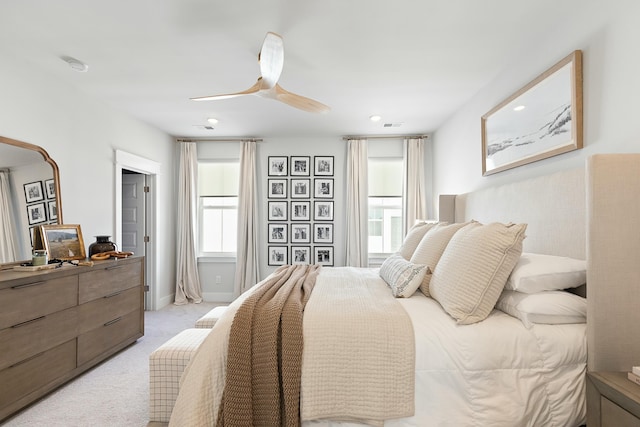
{"points": [[431, 247], [402, 276], [474, 268], [547, 307], [413, 237], [537, 272]]}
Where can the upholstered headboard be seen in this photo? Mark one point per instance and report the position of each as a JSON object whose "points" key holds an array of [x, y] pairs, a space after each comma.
{"points": [[553, 206], [592, 214]]}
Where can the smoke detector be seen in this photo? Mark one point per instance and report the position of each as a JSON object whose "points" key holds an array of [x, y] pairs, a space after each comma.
{"points": [[75, 64]]}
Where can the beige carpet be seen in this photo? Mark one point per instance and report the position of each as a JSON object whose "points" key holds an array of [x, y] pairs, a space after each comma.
{"points": [[116, 392]]}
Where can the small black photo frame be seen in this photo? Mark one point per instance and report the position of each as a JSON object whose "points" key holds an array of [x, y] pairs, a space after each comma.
{"points": [[323, 188], [277, 188], [278, 233], [300, 255], [277, 255], [33, 192], [323, 255], [300, 211], [323, 165], [323, 233], [37, 213], [323, 211], [300, 188], [50, 188], [52, 207], [277, 211], [300, 165], [301, 233], [278, 166]]}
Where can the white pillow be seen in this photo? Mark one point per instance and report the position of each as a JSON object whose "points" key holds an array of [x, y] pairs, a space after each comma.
{"points": [[413, 237], [547, 307], [401, 275], [536, 272], [474, 268]]}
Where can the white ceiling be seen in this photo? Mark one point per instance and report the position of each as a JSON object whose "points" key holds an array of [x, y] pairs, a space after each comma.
{"points": [[413, 62]]}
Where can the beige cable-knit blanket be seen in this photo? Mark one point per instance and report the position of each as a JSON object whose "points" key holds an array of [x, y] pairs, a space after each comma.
{"points": [[358, 355]]}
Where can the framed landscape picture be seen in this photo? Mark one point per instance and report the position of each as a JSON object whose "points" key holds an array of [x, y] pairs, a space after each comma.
{"points": [[63, 242], [541, 120]]}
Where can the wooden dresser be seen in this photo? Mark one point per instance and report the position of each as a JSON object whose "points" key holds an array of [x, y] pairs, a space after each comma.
{"points": [[56, 324]]}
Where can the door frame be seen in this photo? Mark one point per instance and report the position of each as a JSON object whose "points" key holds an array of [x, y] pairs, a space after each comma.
{"points": [[151, 169]]}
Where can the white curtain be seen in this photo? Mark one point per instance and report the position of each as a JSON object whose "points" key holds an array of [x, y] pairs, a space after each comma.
{"points": [[357, 204], [413, 189], [247, 250], [188, 287], [8, 247]]}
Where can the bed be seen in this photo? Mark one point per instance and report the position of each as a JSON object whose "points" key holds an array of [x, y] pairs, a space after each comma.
{"points": [[506, 369]]}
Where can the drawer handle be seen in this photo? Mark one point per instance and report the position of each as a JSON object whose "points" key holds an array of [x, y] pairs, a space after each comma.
{"points": [[112, 295], [28, 321], [111, 322], [27, 285], [27, 359]]}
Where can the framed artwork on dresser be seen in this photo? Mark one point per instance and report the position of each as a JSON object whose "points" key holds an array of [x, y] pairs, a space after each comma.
{"points": [[64, 241]]}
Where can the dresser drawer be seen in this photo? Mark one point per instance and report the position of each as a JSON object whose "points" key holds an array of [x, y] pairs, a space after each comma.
{"points": [[32, 337], [36, 372], [96, 313], [615, 416], [99, 283], [98, 341], [39, 298]]}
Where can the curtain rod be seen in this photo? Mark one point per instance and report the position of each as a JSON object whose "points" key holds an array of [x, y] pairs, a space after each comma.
{"points": [[218, 140], [346, 138]]}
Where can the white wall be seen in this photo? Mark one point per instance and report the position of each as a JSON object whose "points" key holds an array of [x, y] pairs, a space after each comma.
{"points": [[81, 135], [608, 34]]}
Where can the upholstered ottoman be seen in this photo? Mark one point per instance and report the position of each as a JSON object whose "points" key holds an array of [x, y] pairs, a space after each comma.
{"points": [[166, 365], [210, 319]]}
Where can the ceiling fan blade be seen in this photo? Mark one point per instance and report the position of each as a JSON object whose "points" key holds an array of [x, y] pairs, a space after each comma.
{"points": [[300, 102], [252, 90], [271, 59]]}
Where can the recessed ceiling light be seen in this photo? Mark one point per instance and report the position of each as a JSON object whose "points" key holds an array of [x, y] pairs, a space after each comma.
{"points": [[375, 118], [519, 108], [75, 64], [212, 121]]}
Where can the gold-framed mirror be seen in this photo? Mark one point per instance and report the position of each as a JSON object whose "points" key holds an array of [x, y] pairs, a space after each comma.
{"points": [[29, 197]]}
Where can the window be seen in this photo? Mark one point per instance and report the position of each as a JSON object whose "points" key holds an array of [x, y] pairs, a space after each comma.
{"points": [[218, 183], [385, 205]]}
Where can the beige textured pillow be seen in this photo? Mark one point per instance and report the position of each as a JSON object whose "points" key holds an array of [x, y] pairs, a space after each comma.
{"points": [[402, 276], [474, 268], [431, 247], [413, 237]]}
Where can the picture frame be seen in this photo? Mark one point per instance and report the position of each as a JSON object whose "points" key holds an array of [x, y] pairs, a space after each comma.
{"points": [[323, 165], [301, 233], [52, 209], [277, 211], [323, 188], [323, 255], [63, 241], [277, 255], [541, 120], [50, 188], [277, 233], [277, 188], [323, 232], [278, 166], [36, 213], [300, 188], [300, 211], [33, 192], [300, 165], [300, 255], [323, 211]]}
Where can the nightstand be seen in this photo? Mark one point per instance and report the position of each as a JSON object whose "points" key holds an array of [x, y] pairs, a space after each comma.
{"points": [[612, 400]]}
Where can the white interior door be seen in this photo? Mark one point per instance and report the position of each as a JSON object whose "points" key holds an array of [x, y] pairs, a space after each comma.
{"points": [[133, 213]]}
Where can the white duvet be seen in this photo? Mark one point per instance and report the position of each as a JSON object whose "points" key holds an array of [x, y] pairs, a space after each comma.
{"points": [[492, 373]]}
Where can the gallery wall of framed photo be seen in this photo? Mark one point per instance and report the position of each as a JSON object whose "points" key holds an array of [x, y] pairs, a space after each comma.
{"points": [[300, 204], [41, 202]]}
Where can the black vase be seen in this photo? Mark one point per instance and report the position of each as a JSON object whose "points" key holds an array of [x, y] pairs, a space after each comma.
{"points": [[102, 244]]}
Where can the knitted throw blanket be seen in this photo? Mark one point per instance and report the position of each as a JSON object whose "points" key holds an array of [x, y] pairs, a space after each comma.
{"points": [[262, 386]]}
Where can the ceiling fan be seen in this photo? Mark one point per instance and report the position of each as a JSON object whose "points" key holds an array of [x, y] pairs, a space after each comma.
{"points": [[271, 59]]}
